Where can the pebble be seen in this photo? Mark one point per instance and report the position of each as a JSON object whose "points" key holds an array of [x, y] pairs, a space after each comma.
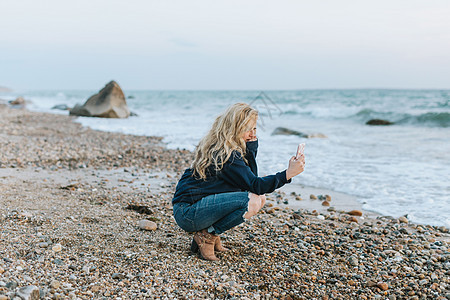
{"points": [[355, 213], [423, 282], [86, 269], [382, 285], [353, 219], [95, 288], [443, 229], [29, 292], [326, 203], [147, 225], [11, 285], [26, 215], [55, 284], [118, 276], [57, 248], [352, 260], [403, 220], [43, 244], [313, 197]]}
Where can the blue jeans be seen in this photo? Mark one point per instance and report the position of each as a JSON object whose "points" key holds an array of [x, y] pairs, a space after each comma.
{"points": [[218, 212]]}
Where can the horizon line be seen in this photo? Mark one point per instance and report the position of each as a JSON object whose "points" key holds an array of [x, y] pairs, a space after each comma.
{"points": [[10, 90]]}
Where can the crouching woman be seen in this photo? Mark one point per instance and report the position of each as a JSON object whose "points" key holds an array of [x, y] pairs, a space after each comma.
{"points": [[222, 188]]}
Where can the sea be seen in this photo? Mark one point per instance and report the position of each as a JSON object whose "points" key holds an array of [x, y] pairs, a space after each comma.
{"points": [[396, 170]]}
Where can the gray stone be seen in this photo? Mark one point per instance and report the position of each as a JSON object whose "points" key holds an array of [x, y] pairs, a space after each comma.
{"points": [[43, 292], [29, 292], [118, 276], [11, 285], [287, 131], [352, 260], [43, 245], [147, 225], [61, 107], [423, 282]]}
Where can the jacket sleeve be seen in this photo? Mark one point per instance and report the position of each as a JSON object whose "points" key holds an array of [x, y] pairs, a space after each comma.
{"points": [[238, 174], [250, 156]]}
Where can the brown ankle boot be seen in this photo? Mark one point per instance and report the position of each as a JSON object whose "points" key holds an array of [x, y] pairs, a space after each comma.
{"points": [[205, 242], [218, 246]]}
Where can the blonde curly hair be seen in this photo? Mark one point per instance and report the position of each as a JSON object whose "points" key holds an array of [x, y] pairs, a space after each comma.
{"points": [[224, 137]]}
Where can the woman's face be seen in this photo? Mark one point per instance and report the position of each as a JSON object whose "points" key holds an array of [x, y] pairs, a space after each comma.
{"points": [[250, 135]]}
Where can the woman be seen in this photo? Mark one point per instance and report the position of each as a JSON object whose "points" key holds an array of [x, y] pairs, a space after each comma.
{"points": [[222, 188]]}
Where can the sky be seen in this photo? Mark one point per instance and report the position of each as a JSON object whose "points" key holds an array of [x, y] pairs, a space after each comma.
{"points": [[225, 45]]}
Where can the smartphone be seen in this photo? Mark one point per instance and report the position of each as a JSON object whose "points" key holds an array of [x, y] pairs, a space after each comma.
{"points": [[300, 150]]}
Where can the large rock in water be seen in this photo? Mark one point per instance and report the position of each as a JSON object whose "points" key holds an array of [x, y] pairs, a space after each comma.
{"points": [[378, 122], [18, 101], [108, 103], [287, 131], [61, 107]]}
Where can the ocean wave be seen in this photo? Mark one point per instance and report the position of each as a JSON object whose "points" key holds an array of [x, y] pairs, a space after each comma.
{"points": [[434, 119], [367, 113], [335, 111], [441, 119]]}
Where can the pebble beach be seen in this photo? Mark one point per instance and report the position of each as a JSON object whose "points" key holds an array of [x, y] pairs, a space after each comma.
{"points": [[86, 214]]}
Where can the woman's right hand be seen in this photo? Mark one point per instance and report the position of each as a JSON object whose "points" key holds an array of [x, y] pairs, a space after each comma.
{"points": [[296, 166]]}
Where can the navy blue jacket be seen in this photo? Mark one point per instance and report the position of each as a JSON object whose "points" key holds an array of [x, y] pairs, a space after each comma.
{"points": [[235, 176]]}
